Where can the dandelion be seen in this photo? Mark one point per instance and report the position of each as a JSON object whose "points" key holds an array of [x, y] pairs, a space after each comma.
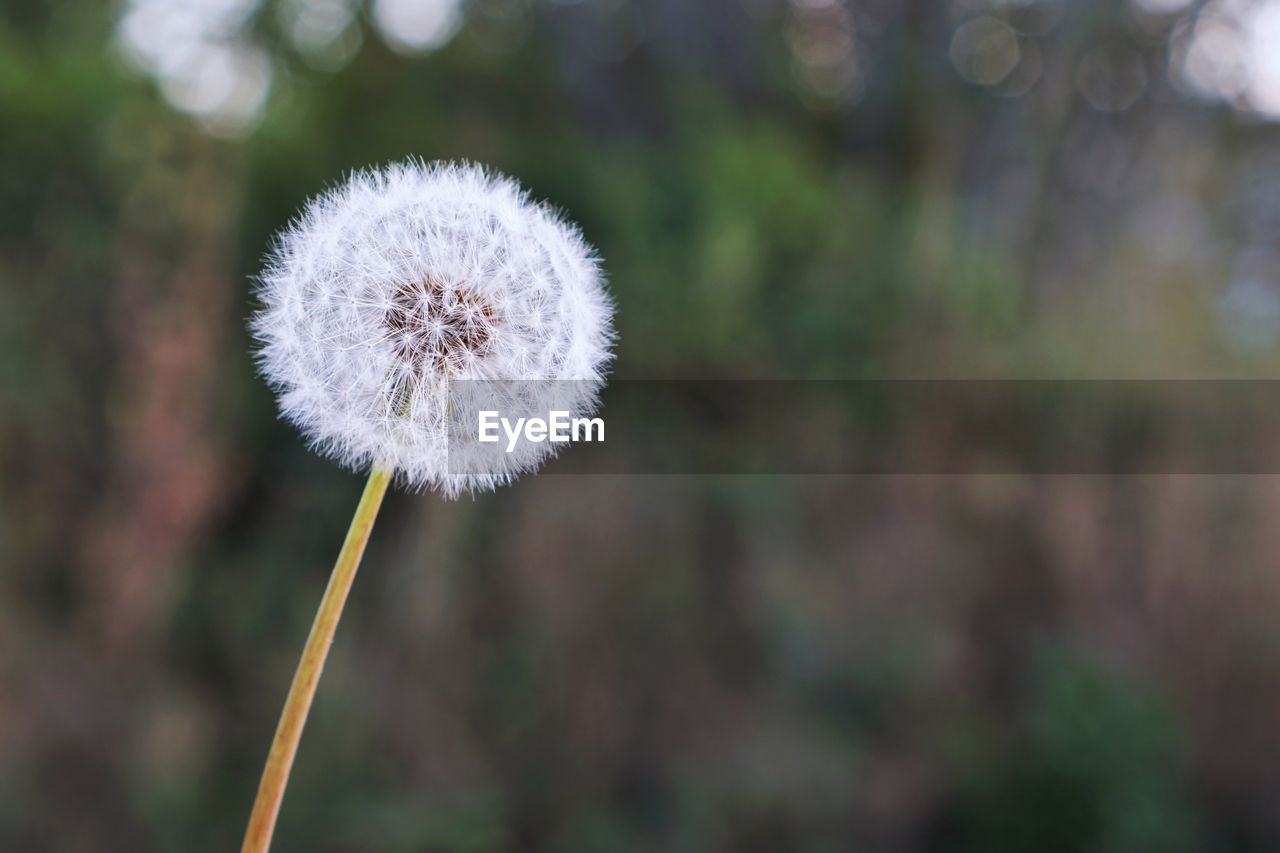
{"points": [[378, 301], [398, 283]]}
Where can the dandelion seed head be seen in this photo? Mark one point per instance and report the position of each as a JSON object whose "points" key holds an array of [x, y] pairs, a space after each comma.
{"points": [[402, 281]]}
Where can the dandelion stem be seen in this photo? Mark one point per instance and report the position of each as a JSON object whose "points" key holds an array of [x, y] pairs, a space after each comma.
{"points": [[284, 747]]}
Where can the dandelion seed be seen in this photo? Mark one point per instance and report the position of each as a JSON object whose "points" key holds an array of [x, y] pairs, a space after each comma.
{"points": [[400, 281]]}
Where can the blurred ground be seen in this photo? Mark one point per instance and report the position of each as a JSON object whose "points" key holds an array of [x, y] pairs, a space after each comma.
{"points": [[820, 188]]}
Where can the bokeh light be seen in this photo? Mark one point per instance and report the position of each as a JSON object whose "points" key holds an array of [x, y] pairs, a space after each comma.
{"points": [[201, 57], [1231, 52], [415, 26], [984, 50], [324, 32], [826, 60], [1163, 7]]}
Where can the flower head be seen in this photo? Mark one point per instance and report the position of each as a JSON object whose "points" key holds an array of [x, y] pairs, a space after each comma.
{"points": [[393, 286]]}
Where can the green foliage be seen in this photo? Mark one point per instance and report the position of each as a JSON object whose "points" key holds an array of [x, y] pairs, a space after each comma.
{"points": [[1097, 765]]}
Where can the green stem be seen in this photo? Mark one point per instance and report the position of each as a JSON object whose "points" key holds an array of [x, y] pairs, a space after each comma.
{"points": [[284, 747]]}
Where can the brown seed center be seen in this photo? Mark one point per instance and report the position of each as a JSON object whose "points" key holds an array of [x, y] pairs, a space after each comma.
{"points": [[440, 327]]}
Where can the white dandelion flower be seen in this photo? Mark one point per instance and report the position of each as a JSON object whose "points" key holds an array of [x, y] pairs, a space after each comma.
{"points": [[404, 283]]}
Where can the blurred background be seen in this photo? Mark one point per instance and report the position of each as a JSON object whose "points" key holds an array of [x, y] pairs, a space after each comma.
{"points": [[803, 189]]}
